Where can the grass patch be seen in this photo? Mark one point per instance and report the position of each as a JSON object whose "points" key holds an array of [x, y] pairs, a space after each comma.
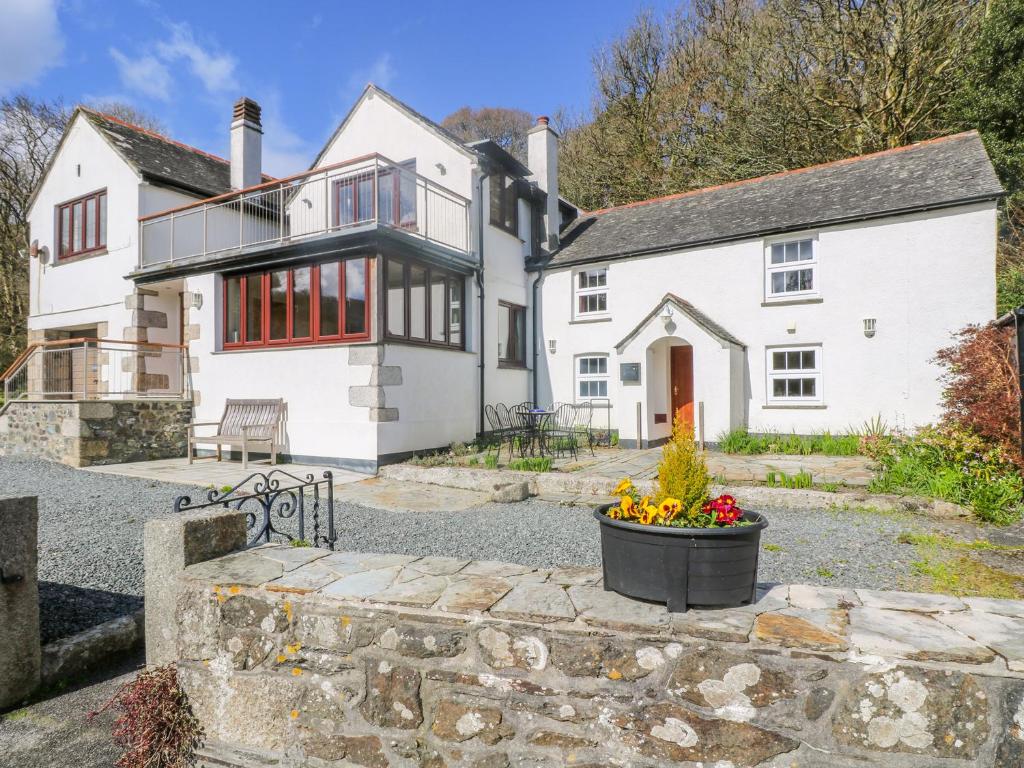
{"points": [[782, 480], [826, 444], [16, 715], [947, 565], [824, 573], [531, 464], [771, 547]]}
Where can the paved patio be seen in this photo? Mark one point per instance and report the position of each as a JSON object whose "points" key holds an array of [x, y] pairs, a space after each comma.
{"points": [[209, 472]]}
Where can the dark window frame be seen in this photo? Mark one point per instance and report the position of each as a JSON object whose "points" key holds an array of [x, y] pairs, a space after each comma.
{"points": [[315, 337], [431, 271], [504, 203], [504, 359], [99, 196]]}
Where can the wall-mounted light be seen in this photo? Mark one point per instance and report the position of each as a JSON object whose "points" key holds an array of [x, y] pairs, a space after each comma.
{"points": [[869, 327], [791, 328], [195, 301], [666, 315], [440, 168], [552, 346]]}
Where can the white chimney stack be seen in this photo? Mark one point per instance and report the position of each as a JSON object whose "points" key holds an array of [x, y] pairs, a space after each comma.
{"points": [[542, 158], [246, 144]]}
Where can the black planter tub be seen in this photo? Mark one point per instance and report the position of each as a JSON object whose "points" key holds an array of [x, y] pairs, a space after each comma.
{"points": [[681, 567]]}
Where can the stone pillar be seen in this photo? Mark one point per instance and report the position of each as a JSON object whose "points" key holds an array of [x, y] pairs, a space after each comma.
{"points": [[171, 545], [19, 600]]}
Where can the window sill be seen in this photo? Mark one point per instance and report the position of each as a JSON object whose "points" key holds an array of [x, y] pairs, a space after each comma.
{"points": [[283, 347], [789, 302], [794, 407], [61, 261], [421, 344], [585, 320], [512, 366]]}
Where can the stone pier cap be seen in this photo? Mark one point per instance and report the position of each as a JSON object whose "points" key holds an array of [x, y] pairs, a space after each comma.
{"points": [[386, 659]]}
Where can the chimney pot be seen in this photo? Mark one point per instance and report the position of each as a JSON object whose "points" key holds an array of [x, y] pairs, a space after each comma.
{"points": [[542, 120], [247, 109]]}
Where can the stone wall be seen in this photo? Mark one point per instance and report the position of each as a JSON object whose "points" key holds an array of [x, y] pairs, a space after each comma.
{"points": [[304, 657], [19, 600], [84, 433]]}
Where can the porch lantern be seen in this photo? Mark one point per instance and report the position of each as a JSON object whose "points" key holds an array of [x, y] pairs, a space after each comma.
{"points": [[552, 346], [869, 327]]}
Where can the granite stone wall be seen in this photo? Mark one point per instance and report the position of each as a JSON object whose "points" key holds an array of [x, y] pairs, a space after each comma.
{"points": [[296, 656], [84, 433]]}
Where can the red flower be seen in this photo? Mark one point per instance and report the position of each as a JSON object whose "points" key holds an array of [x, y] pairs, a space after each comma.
{"points": [[723, 510]]}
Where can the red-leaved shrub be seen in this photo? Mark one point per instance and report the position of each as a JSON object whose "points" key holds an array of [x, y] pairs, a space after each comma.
{"points": [[982, 392], [156, 727]]}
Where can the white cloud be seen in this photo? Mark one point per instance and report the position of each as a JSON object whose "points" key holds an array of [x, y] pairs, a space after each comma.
{"points": [[381, 72], [284, 151], [215, 70], [30, 41], [146, 75]]}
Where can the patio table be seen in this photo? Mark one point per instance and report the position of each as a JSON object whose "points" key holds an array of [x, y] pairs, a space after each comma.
{"points": [[535, 419]]}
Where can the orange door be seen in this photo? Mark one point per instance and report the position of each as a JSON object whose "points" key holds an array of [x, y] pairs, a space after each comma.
{"points": [[682, 384]]}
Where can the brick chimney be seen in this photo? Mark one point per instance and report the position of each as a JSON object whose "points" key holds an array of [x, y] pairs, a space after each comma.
{"points": [[246, 144], [542, 159]]}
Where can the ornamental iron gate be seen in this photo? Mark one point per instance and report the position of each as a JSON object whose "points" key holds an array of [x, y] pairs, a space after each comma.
{"points": [[279, 504]]}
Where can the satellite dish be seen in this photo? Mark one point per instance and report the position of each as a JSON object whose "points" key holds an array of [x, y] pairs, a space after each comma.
{"points": [[44, 255]]}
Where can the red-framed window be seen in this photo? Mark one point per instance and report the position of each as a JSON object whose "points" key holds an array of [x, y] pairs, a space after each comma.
{"points": [[327, 301], [395, 204], [82, 225], [423, 304]]}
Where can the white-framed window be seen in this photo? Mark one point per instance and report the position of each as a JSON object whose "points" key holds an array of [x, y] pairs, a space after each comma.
{"points": [[791, 269], [794, 374], [591, 376], [591, 291]]}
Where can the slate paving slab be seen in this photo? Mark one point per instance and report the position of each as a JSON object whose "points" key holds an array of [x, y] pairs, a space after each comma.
{"points": [[292, 557], [1003, 634], [309, 578], [542, 603], [495, 568], [995, 605], [910, 601], [474, 593], [575, 576], [906, 635], [423, 591], [794, 628], [363, 584], [721, 626], [611, 610], [439, 566], [814, 598], [242, 569]]}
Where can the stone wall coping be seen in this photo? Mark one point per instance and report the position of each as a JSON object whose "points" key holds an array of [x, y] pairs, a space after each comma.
{"points": [[869, 627]]}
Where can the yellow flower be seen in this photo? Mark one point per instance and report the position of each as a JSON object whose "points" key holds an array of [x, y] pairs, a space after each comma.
{"points": [[623, 486], [628, 507], [649, 515], [670, 508]]}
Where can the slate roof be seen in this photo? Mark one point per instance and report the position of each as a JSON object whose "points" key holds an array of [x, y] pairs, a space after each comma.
{"points": [[162, 159], [937, 173]]}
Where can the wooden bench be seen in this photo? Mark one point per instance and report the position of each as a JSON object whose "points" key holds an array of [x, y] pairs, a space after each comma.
{"points": [[244, 423]]}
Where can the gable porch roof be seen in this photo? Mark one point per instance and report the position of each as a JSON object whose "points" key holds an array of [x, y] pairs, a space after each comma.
{"points": [[690, 311]]}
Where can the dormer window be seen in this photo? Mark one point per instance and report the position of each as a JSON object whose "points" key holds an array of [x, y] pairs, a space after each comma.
{"points": [[82, 225], [504, 203]]}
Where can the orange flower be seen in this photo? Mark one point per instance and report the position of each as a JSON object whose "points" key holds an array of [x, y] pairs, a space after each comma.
{"points": [[623, 486]]}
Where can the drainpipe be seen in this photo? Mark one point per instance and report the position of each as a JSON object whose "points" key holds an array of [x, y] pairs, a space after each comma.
{"points": [[480, 287], [536, 350]]}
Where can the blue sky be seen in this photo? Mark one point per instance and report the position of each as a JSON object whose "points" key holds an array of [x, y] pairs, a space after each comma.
{"points": [[305, 62]]}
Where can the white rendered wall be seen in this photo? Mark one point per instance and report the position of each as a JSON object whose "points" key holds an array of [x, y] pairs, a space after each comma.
{"points": [[922, 276], [90, 290]]}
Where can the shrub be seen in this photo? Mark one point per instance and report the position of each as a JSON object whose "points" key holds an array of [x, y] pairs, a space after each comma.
{"points": [[982, 393], [682, 473], [491, 461], [156, 727], [801, 479], [953, 464]]}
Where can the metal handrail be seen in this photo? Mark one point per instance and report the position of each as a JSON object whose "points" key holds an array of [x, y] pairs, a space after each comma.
{"points": [[305, 205], [97, 369]]}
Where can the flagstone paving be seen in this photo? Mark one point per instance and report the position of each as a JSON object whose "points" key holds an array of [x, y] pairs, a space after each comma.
{"points": [[894, 625]]}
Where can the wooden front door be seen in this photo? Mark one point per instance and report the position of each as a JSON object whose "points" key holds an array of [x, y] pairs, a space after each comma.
{"points": [[682, 384]]}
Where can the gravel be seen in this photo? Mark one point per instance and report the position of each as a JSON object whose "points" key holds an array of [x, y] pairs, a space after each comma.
{"points": [[90, 537]]}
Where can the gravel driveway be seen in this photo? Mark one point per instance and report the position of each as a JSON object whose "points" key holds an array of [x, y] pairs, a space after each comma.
{"points": [[90, 536]]}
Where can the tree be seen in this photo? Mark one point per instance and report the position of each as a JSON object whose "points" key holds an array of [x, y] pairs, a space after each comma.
{"points": [[129, 114], [29, 133], [502, 125]]}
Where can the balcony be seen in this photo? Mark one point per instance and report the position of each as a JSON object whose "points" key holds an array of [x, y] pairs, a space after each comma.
{"points": [[363, 195]]}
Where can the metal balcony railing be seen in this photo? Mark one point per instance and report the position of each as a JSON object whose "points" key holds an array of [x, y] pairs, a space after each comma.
{"points": [[368, 191], [98, 369]]}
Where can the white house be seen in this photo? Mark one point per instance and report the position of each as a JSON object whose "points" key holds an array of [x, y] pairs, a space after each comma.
{"points": [[406, 279]]}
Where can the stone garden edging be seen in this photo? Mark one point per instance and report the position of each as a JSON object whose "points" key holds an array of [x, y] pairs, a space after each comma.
{"points": [[386, 659], [89, 650], [494, 481]]}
